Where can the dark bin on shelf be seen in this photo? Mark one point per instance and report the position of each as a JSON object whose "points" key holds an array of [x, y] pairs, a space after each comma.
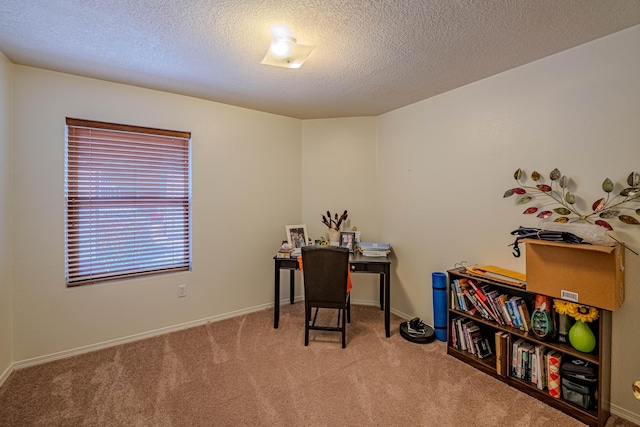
{"points": [[579, 381]]}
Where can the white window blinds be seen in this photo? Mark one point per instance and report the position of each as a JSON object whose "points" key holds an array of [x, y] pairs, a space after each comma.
{"points": [[128, 201]]}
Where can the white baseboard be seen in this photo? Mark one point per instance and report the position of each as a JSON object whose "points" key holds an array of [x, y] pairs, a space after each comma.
{"points": [[627, 415], [6, 374]]}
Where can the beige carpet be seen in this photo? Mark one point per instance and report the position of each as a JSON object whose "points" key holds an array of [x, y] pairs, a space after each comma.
{"points": [[242, 372]]}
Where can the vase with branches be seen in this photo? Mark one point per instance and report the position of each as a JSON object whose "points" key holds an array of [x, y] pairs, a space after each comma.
{"points": [[333, 224]]}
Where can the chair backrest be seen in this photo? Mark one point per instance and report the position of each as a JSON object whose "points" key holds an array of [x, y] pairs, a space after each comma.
{"points": [[325, 270]]}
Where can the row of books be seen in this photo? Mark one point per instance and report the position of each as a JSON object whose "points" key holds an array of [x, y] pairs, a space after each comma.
{"points": [[467, 336], [529, 362], [506, 310]]}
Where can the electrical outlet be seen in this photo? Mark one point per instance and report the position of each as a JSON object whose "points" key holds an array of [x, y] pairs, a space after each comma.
{"points": [[182, 291]]}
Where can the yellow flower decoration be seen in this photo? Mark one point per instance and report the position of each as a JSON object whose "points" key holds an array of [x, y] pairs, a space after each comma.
{"points": [[584, 313], [562, 307], [580, 312]]}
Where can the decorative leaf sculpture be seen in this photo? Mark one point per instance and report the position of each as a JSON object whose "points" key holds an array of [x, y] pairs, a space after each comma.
{"points": [[524, 200], [556, 191], [518, 175], [570, 198], [562, 211], [628, 219], [598, 205], [564, 182], [604, 224]]}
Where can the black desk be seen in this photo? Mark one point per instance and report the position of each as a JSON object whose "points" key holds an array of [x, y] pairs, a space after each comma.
{"points": [[357, 263]]}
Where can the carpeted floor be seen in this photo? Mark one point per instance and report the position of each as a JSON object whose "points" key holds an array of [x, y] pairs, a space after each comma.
{"points": [[242, 372]]}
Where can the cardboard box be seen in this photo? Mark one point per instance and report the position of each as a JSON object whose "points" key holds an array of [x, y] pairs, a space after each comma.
{"points": [[586, 274]]}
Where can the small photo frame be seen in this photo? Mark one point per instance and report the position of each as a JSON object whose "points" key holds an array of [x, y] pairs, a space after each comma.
{"points": [[297, 235], [348, 240]]}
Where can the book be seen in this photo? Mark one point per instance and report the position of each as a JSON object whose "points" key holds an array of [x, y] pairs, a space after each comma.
{"points": [[540, 352], [512, 316], [553, 373], [524, 315], [470, 294], [514, 356], [462, 344], [507, 276], [498, 344], [480, 294], [284, 252], [514, 301], [473, 333], [534, 366], [483, 348], [375, 253], [523, 360], [492, 301], [482, 304], [456, 285], [502, 353], [374, 246], [505, 313]]}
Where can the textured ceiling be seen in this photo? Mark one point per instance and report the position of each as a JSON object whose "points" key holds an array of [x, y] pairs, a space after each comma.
{"points": [[372, 56]]}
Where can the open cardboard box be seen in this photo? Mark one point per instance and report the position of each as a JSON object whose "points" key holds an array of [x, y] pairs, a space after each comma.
{"points": [[586, 274]]}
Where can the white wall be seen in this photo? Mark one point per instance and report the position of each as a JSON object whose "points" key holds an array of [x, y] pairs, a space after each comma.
{"points": [[444, 164], [338, 164], [5, 217], [246, 188]]}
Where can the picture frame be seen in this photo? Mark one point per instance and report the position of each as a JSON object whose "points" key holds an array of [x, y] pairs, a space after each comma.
{"points": [[348, 240], [297, 235]]}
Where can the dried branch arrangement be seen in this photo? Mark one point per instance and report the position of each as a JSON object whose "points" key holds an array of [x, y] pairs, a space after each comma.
{"points": [[335, 221]]}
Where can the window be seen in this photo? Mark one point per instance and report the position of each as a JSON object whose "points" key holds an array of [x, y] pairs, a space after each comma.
{"points": [[128, 201]]}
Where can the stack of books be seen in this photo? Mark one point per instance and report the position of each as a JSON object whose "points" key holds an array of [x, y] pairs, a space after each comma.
{"points": [[374, 249], [284, 253]]}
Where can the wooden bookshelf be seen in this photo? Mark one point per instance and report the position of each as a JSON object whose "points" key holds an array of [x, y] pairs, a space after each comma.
{"points": [[600, 357]]}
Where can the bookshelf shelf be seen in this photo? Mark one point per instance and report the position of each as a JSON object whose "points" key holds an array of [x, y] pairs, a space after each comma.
{"points": [[600, 358]]}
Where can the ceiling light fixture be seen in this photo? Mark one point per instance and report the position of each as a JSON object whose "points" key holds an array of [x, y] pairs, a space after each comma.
{"points": [[285, 50]]}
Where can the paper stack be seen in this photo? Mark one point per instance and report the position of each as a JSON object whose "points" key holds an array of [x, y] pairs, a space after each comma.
{"points": [[375, 249]]}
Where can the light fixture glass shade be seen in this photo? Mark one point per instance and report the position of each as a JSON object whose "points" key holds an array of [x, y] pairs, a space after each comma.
{"points": [[285, 52]]}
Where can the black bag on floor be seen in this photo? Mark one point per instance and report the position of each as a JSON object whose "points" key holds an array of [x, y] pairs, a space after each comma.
{"points": [[579, 381]]}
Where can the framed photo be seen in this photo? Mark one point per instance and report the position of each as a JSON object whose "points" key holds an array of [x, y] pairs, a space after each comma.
{"points": [[297, 235], [348, 239]]}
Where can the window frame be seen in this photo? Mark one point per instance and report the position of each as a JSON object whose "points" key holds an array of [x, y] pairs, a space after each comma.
{"points": [[127, 201]]}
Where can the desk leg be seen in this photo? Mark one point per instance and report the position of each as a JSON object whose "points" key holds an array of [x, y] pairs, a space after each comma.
{"points": [[291, 285], [382, 293], [387, 299], [276, 297]]}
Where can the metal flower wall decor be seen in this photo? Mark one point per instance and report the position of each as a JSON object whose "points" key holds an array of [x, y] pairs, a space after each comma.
{"points": [[556, 193]]}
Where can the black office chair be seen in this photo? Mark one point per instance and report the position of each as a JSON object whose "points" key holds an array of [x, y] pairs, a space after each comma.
{"points": [[325, 270]]}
